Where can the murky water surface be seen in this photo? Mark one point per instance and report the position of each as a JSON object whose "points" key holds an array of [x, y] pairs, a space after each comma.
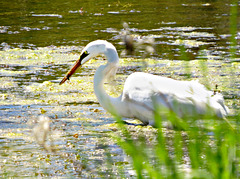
{"points": [[39, 42]]}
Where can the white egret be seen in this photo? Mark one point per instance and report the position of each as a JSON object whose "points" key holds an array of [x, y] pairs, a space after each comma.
{"points": [[143, 91]]}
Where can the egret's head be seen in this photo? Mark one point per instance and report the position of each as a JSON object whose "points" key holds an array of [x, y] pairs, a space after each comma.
{"points": [[91, 50]]}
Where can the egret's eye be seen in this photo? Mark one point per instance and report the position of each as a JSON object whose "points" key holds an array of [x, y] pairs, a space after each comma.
{"points": [[84, 54]]}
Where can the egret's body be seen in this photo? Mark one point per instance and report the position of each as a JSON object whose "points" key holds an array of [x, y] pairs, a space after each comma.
{"points": [[144, 92]]}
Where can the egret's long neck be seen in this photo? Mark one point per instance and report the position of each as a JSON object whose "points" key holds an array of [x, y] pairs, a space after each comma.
{"points": [[100, 76]]}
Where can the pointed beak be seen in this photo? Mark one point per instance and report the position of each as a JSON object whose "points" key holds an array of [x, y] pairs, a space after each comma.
{"points": [[71, 71], [78, 63]]}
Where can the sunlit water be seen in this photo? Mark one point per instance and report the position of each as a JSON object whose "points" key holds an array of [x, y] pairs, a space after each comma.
{"points": [[50, 36]]}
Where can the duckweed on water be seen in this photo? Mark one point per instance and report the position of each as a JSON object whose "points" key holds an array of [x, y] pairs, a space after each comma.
{"points": [[12, 73], [40, 56], [190, 43]]}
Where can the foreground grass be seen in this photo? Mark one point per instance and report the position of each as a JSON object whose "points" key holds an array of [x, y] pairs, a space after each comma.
{"points": [[207, 148]]}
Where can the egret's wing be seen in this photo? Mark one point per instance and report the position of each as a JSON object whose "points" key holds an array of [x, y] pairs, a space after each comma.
{"points": [[183, 97], [142, 86]]}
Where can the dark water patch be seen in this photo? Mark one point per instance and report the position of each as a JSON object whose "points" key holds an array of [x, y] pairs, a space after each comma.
{"points": [[28, 26], [81, 102], [12, 125]]}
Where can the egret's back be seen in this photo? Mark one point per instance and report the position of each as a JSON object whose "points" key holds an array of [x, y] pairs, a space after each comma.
{"points": [[182, 97]]}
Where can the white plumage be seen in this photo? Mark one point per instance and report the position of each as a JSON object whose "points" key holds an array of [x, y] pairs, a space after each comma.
{"points": [[143, 91]]}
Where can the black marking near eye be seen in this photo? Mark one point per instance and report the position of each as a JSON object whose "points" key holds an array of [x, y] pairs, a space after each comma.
{"points": [[84, 54], [68, 76]]}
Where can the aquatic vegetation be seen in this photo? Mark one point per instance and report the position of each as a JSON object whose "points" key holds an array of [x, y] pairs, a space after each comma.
{"points": [[190, 43]]}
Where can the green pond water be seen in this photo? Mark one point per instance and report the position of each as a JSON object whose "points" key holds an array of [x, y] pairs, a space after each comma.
{"points": [[39, 42]]}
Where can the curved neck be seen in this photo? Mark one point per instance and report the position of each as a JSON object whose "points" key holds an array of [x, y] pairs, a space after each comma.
{"points": [[103, 72]]}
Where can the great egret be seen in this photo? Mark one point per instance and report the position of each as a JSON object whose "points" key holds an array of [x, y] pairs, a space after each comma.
{"points": [[142, 91]]}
